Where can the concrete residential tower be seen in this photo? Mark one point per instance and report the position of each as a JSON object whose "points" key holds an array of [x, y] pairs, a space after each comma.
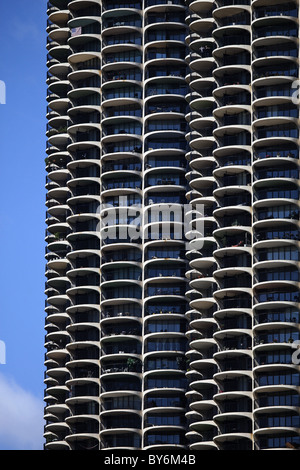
{"points": [[165, 116]]}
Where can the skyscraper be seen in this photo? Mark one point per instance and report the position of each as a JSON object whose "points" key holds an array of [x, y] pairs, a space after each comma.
{"points": [[155, 109]]}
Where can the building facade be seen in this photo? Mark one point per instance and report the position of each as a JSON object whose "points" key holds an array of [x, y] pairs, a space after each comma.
{"points": [[153, 342]]}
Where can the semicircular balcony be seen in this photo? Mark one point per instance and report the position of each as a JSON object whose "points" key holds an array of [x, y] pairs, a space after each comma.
{"points": [[83, 118], [231, 117], [121, 253], [278, 226], [160, 96], [121, 309], [57, 351], [155, 6], [84, 291], [169, 31], [84, 197], [124, 56], [163, 307], [120, 292], [276, 399], [280, 272], [232, 26], [57, 221], [121, 82], [83, 186], [202, 125], [274, 26], [232, 176], [234, 357], [125, 329], [121, 36], [233, 135], [126, 112], [84, 10], [83, 363], [121, 21], [57, 16], [200, 59], [123, 366], [58, 70], [236, 235], [276, 253], [206, 388], [56, 180], [84, 202], [165, 438], [277, 437], [85, 35], [164, 401], [83, 412], [87, 61], [85, 57], [268, 114], [230, 15], [283, 193], [274, 169], [85, 139], [282, 212], [235, 431], [121, 125], [166, 15], [154, 422], [84, 436], [169, 180], [274, 343], [114, 402], [274, 70], [200, 279], [122, 138], [231, 260], [85, 97], [112, 422], [83, 278], [57, 95], [158, 143], [280, 292], [122, 5], [58, 54], [54, 289], [121, 50], [121, 89], [276, 414], [202, 24], [233, 88], [202, 141], [121, 440], [264, 9]]}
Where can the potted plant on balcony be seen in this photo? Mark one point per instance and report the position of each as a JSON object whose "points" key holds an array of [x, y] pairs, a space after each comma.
{"points": [[132, 364]]}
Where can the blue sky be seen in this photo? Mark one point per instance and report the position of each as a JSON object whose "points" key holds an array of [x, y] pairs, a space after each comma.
{"points": [[22, 215]]}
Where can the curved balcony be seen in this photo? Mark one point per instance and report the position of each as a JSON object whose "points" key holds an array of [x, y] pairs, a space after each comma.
{"points": [[276, 396], [59, 17], [116, 421]]}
